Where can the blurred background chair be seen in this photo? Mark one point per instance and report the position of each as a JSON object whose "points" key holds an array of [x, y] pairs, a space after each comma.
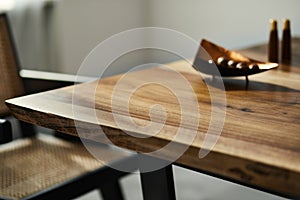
{"points": [[41, 166]]}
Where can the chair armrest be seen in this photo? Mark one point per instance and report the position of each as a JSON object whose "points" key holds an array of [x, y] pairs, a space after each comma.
{"points": [[38, 81], [5, 131], [52, 76]]}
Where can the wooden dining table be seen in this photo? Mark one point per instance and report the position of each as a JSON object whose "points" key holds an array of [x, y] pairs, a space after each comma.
{"points": [[259, 145]]}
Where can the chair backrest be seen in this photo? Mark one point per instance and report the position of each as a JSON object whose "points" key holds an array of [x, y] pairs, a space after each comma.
{"points": [[10, 82]]}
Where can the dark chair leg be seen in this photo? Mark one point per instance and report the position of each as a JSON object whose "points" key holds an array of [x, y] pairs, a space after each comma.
{"points": [[112, 191], [158, 184], [5, 131], [27, 129]]}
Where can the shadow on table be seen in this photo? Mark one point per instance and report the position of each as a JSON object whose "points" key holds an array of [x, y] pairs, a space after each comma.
{"points": [[231, 84]]}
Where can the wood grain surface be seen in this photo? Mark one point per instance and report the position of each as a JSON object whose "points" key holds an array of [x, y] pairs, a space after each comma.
{"points": [[259, 144]]}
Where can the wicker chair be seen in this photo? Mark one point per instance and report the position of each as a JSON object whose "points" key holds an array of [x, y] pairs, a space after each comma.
{"points": [[38, 166]]}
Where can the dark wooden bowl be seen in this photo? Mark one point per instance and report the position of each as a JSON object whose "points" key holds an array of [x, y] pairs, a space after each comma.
{"points": [[205, 62]]}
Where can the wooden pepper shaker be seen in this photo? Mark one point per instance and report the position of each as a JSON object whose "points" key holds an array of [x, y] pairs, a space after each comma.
{"points": [[286, 42], [273, 42]]}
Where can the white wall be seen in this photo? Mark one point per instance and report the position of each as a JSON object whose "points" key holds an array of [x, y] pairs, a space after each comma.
{"points": [[85, 23], [35, 32], [232, 23], [77, 26]]}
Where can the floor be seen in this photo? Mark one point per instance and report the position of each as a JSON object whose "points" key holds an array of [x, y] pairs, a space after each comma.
{"points": [[191, 185]]}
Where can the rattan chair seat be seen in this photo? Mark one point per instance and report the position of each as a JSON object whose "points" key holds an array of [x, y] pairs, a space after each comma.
{"points": [[33, 164]]}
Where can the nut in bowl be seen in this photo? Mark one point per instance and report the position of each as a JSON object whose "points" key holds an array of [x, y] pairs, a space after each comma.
{"points": [[229, 63]]}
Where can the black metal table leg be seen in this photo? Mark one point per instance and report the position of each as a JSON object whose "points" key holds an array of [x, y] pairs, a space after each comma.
{"points": [[159, 184], [112, 190]]}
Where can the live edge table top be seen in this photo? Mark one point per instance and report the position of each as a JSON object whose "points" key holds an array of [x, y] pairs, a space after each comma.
{"points": [[259, 144]]}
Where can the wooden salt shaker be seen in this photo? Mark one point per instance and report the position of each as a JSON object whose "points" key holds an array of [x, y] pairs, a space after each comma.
{"points": [[273, 42], [286, 42]]}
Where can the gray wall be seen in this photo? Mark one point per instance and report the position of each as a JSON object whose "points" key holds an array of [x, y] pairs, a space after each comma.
{"points": [[232, 23], [85, 23], [35, 31], [59, 39]]}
